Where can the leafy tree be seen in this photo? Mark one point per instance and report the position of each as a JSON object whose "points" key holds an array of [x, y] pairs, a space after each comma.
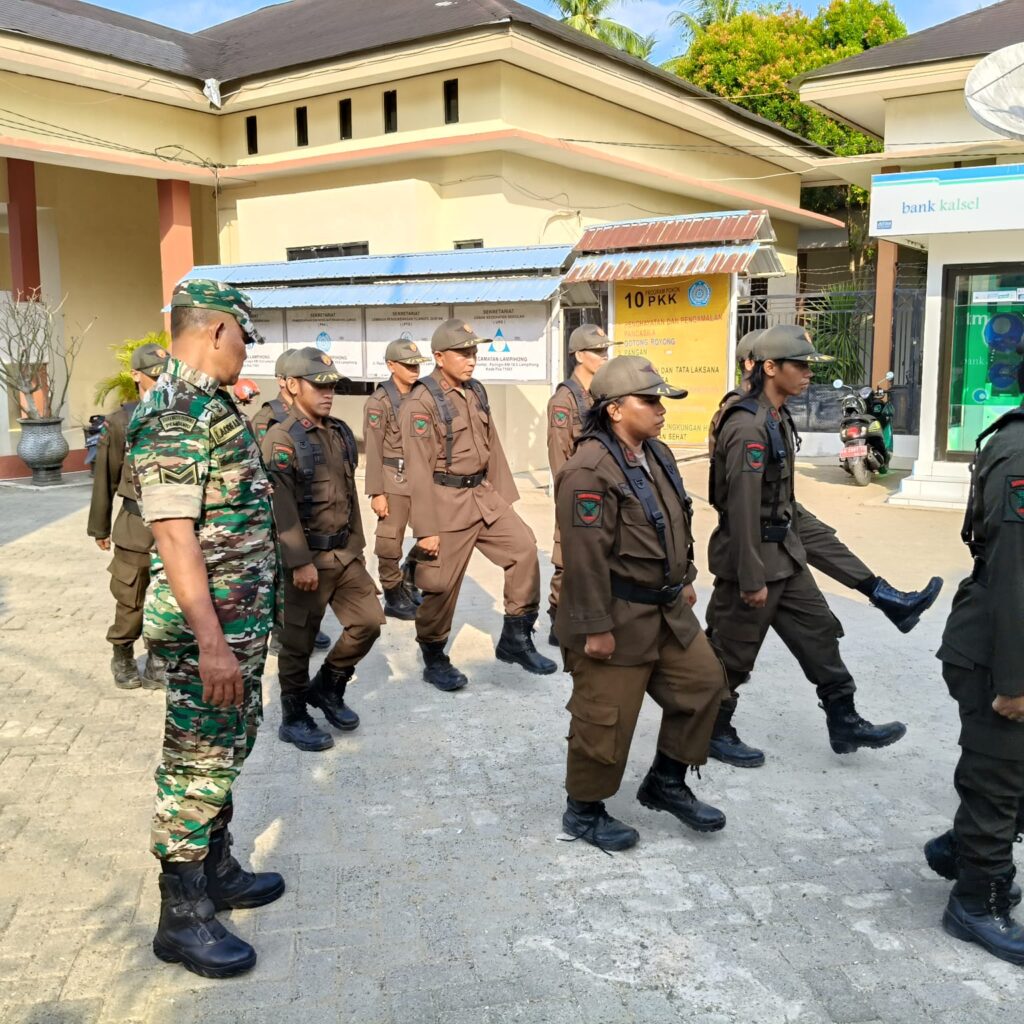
{"points": [[697, 15], [120, 384], [591, 18]]}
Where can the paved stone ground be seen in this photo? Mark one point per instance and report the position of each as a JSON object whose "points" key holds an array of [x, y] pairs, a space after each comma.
{"points": [[426, 882]]}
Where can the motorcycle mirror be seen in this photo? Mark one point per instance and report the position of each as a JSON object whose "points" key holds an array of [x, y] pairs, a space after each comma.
{"points": [[865, 392], [837, 383], [890, 375]]}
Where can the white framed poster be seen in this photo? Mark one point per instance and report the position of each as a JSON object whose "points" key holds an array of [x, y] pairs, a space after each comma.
{"points": [[259, 362], [518, 349], [337, 332], [385, 324]]}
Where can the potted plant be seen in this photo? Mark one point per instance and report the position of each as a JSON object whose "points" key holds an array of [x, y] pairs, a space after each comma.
{"points": [[35, 368]]}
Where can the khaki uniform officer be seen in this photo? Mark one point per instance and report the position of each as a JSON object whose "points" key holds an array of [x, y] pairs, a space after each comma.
{"points": [[566, 409], [825, 552], [757, 554], [131, 537], [626, 616], [312, 462], [386, 482], [462, 493]]}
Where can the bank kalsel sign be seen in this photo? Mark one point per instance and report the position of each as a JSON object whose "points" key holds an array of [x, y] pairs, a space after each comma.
{"points": [[948, 201]]}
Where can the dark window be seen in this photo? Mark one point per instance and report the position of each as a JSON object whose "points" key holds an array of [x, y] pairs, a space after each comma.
{"points": [[451, 101], [319, 252], [345, 118], [759, 286], [470, 243], [301, 127], [390, 111], [252, 142]]}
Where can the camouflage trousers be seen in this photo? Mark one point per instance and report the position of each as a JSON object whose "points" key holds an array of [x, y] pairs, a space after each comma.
{"points": [[204, 748]]}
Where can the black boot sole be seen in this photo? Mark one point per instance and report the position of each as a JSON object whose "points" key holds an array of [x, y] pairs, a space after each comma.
{"points": [[736, 762], [250, 902], [647, 802], [618, 846], [443, 689], [953, 927], [172, 956], [333, 719], [309, 747], [512, 659], [852, 746]]}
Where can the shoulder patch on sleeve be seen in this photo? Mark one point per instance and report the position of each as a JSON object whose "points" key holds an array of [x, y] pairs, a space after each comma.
{"points": [[281, 456], [588, 508], [177, 421], [1013, 506], [187, 474], [373, 417], [753, 456], [560, 415], [420, 425]]}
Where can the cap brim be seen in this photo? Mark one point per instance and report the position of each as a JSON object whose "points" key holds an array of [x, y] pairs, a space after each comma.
{"points": [[662, 391], [153, 370], [468, 343], [411, 361]]}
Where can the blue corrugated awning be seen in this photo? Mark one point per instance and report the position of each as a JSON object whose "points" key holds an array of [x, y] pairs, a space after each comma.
{"points": [[408, 293], [423, 264]]}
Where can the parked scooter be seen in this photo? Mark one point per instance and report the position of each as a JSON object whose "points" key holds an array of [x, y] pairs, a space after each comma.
{"points": [[92, 432], [866, 430]]}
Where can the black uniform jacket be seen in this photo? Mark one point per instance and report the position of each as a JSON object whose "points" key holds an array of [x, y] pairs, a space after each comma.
{"points": [[604, 529]]}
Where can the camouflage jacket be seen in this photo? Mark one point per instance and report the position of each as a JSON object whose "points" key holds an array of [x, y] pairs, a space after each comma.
{"points": [[194, 457]]}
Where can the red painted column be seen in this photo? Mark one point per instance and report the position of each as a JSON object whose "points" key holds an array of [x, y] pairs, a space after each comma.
{"points": [[176, 258], [23, 226]]}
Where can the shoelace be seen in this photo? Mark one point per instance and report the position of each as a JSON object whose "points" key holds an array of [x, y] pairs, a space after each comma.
{"points": [[589, 833]]}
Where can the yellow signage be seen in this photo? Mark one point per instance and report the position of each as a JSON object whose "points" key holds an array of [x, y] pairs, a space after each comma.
{"points": [[682, 326]]}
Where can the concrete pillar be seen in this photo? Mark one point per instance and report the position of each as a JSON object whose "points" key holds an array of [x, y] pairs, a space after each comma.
{"points": [[23, 226], [885, 286], [175, 235]]}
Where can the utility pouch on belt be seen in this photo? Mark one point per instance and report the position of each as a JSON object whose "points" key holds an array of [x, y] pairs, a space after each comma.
{"points": [[774, 533]]}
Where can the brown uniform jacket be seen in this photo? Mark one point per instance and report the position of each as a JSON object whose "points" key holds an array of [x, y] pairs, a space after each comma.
{"points": [[335, 502], [988, 610], [750, 487], [113, 477], [438, 509], [383, 441], [604, 529], [565, 424], [274, 411]]}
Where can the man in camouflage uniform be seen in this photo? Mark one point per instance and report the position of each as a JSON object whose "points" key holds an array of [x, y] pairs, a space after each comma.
{"points": [[131, 538], [386, 483], [206, 496], [566, 407], [312, 460]]}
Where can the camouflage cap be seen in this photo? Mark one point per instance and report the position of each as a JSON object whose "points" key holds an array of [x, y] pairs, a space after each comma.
{"points": [[745, 345], [587, 337], [455, 334], [204, 294], [631, 375], [313, 365], [405, 352], [149, 359], [787, 341], [281, 366]]}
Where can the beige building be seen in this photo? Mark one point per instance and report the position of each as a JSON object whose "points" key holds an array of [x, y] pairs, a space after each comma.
{"points": [[947, 186], [334, 127]]}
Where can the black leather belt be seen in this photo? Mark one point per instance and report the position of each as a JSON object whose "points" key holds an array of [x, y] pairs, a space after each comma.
{"points": [[398, 464], [326, 541], [131, 505], [451, 480], [627, 590]]}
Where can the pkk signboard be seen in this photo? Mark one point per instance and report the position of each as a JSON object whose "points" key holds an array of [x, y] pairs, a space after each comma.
{"points": [[385, 324], [518, 348], [260, 361], [682, 326], [338, 332]]}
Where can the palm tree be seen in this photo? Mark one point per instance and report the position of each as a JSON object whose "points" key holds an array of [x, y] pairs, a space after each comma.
{"points": [[697, 15], [589, 17]]}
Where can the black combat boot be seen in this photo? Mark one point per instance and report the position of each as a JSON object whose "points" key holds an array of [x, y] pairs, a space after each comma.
{"points": [[515, 646], [398, 604], [189, 933], [439, 671], [979, 911], [154, 672], [123, 667], [902, 609], [409, 581], [941, 854], [848, 732], [322, 641], [298, 728], [589, 821], [664, 789], [552, 636], [229, 885], [726, 744], [327, 692]]}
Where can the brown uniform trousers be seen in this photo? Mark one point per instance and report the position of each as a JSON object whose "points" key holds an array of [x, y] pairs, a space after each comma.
{"points": [[385, 474], [565, 424], [659, 649], [750, 489], [342, 579], [131, 539], [465, 518]]}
